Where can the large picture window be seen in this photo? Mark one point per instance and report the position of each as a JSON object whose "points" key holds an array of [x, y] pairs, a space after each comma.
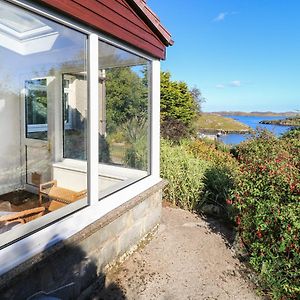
{"points": [[124, 118], [47, 99], [43, 120]]}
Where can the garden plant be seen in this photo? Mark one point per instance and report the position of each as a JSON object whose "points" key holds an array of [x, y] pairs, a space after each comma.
{"points": [[267, 199]]}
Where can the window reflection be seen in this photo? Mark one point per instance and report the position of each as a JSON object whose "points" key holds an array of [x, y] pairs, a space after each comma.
{"points": [[43, 97], [124, 121], [36, 109]]}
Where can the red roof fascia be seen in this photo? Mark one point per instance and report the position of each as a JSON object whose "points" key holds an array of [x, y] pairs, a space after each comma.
{"points": [[153, 21]]}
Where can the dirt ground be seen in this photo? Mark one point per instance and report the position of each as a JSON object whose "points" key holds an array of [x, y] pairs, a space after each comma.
{"points": [[188, 258]]}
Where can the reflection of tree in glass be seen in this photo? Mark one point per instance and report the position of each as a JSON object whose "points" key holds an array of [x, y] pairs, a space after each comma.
{"points": [[36, 101], [136, 133], [126, 96]]}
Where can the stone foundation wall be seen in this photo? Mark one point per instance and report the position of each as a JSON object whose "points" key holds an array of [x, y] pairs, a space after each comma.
{"points": [[67, 269]]}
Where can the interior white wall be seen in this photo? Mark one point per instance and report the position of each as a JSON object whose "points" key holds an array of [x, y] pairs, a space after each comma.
{"points": [[81, 97], [10, 127]]}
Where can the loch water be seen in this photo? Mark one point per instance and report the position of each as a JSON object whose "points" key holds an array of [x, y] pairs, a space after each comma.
{"points": [[253, 122]]}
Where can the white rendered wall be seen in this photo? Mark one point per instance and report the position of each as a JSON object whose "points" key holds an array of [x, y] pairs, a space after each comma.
{"points": [[10, 160], [80, 86]]}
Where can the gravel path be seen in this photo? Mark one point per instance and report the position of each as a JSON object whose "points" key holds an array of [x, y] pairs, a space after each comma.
{"points": [[188, 258]]}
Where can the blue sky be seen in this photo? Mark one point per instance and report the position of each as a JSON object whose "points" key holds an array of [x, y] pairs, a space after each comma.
{"points": [[242, 54]]}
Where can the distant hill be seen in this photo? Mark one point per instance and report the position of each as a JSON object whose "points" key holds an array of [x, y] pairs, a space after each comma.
{"points": [[214, 123], [255, 113]]}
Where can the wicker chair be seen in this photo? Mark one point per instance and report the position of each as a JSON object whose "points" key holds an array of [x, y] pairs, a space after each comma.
{"points": [[58, 196], [23, 217]]}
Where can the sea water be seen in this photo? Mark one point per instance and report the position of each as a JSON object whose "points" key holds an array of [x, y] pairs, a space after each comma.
{"points": [[253, 122]]}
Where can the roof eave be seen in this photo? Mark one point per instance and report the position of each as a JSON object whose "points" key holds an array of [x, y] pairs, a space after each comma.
{"points": [[153, 21]]}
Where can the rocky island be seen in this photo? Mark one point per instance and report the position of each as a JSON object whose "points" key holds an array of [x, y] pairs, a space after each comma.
{"points": [[290, 121]]}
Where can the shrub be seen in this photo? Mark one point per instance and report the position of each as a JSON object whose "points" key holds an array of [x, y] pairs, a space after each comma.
{"points": [[292, 138], [218, 182], [135, 133], [267, 197], [174, 130], [199, 175], [219, 178], [213, 153], [184, 173]]}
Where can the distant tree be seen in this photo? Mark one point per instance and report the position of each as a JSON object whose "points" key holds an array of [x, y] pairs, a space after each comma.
{"points": [[178, 106], [198, 98]]}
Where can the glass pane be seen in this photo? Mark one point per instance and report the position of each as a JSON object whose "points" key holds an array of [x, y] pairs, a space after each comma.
{"points": [[38, 168], [75, 116], [43, 100], [36, 109], [124, 122]]}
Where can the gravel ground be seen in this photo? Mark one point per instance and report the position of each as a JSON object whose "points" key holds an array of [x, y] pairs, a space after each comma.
{"points": [[188, 258]]}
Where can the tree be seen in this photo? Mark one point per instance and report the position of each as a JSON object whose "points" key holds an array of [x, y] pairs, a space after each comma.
{"points": [[126, 96], [178, 105], [198, 98]]}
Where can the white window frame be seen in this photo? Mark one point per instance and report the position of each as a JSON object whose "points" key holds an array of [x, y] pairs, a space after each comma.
{"points": [[14, 254], [67, 125]]}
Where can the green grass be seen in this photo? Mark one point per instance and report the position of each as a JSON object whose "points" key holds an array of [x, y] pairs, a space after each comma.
{"points": [[215, 123]]}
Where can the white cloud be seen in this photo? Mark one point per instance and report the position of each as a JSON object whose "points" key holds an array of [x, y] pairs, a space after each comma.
{"points": [[235, 83], [220, 17]]}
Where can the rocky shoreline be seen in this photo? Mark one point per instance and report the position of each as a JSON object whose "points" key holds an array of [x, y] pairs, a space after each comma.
{"points": [[222, 131], [294, 122]]}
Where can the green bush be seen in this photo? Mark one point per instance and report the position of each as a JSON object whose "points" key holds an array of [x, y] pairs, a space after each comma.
{"points": [[292, 138], [214, 153], [136, 137], [174, 130], [267, 198], [219, 178], [199, 175], [184, 173]]}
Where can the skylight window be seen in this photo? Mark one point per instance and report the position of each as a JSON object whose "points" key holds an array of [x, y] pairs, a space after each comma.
{"points": [[23, 32]]}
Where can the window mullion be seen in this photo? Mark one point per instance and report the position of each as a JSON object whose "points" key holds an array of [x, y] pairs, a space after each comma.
{"points": [[93, 141], [155, 118]]}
